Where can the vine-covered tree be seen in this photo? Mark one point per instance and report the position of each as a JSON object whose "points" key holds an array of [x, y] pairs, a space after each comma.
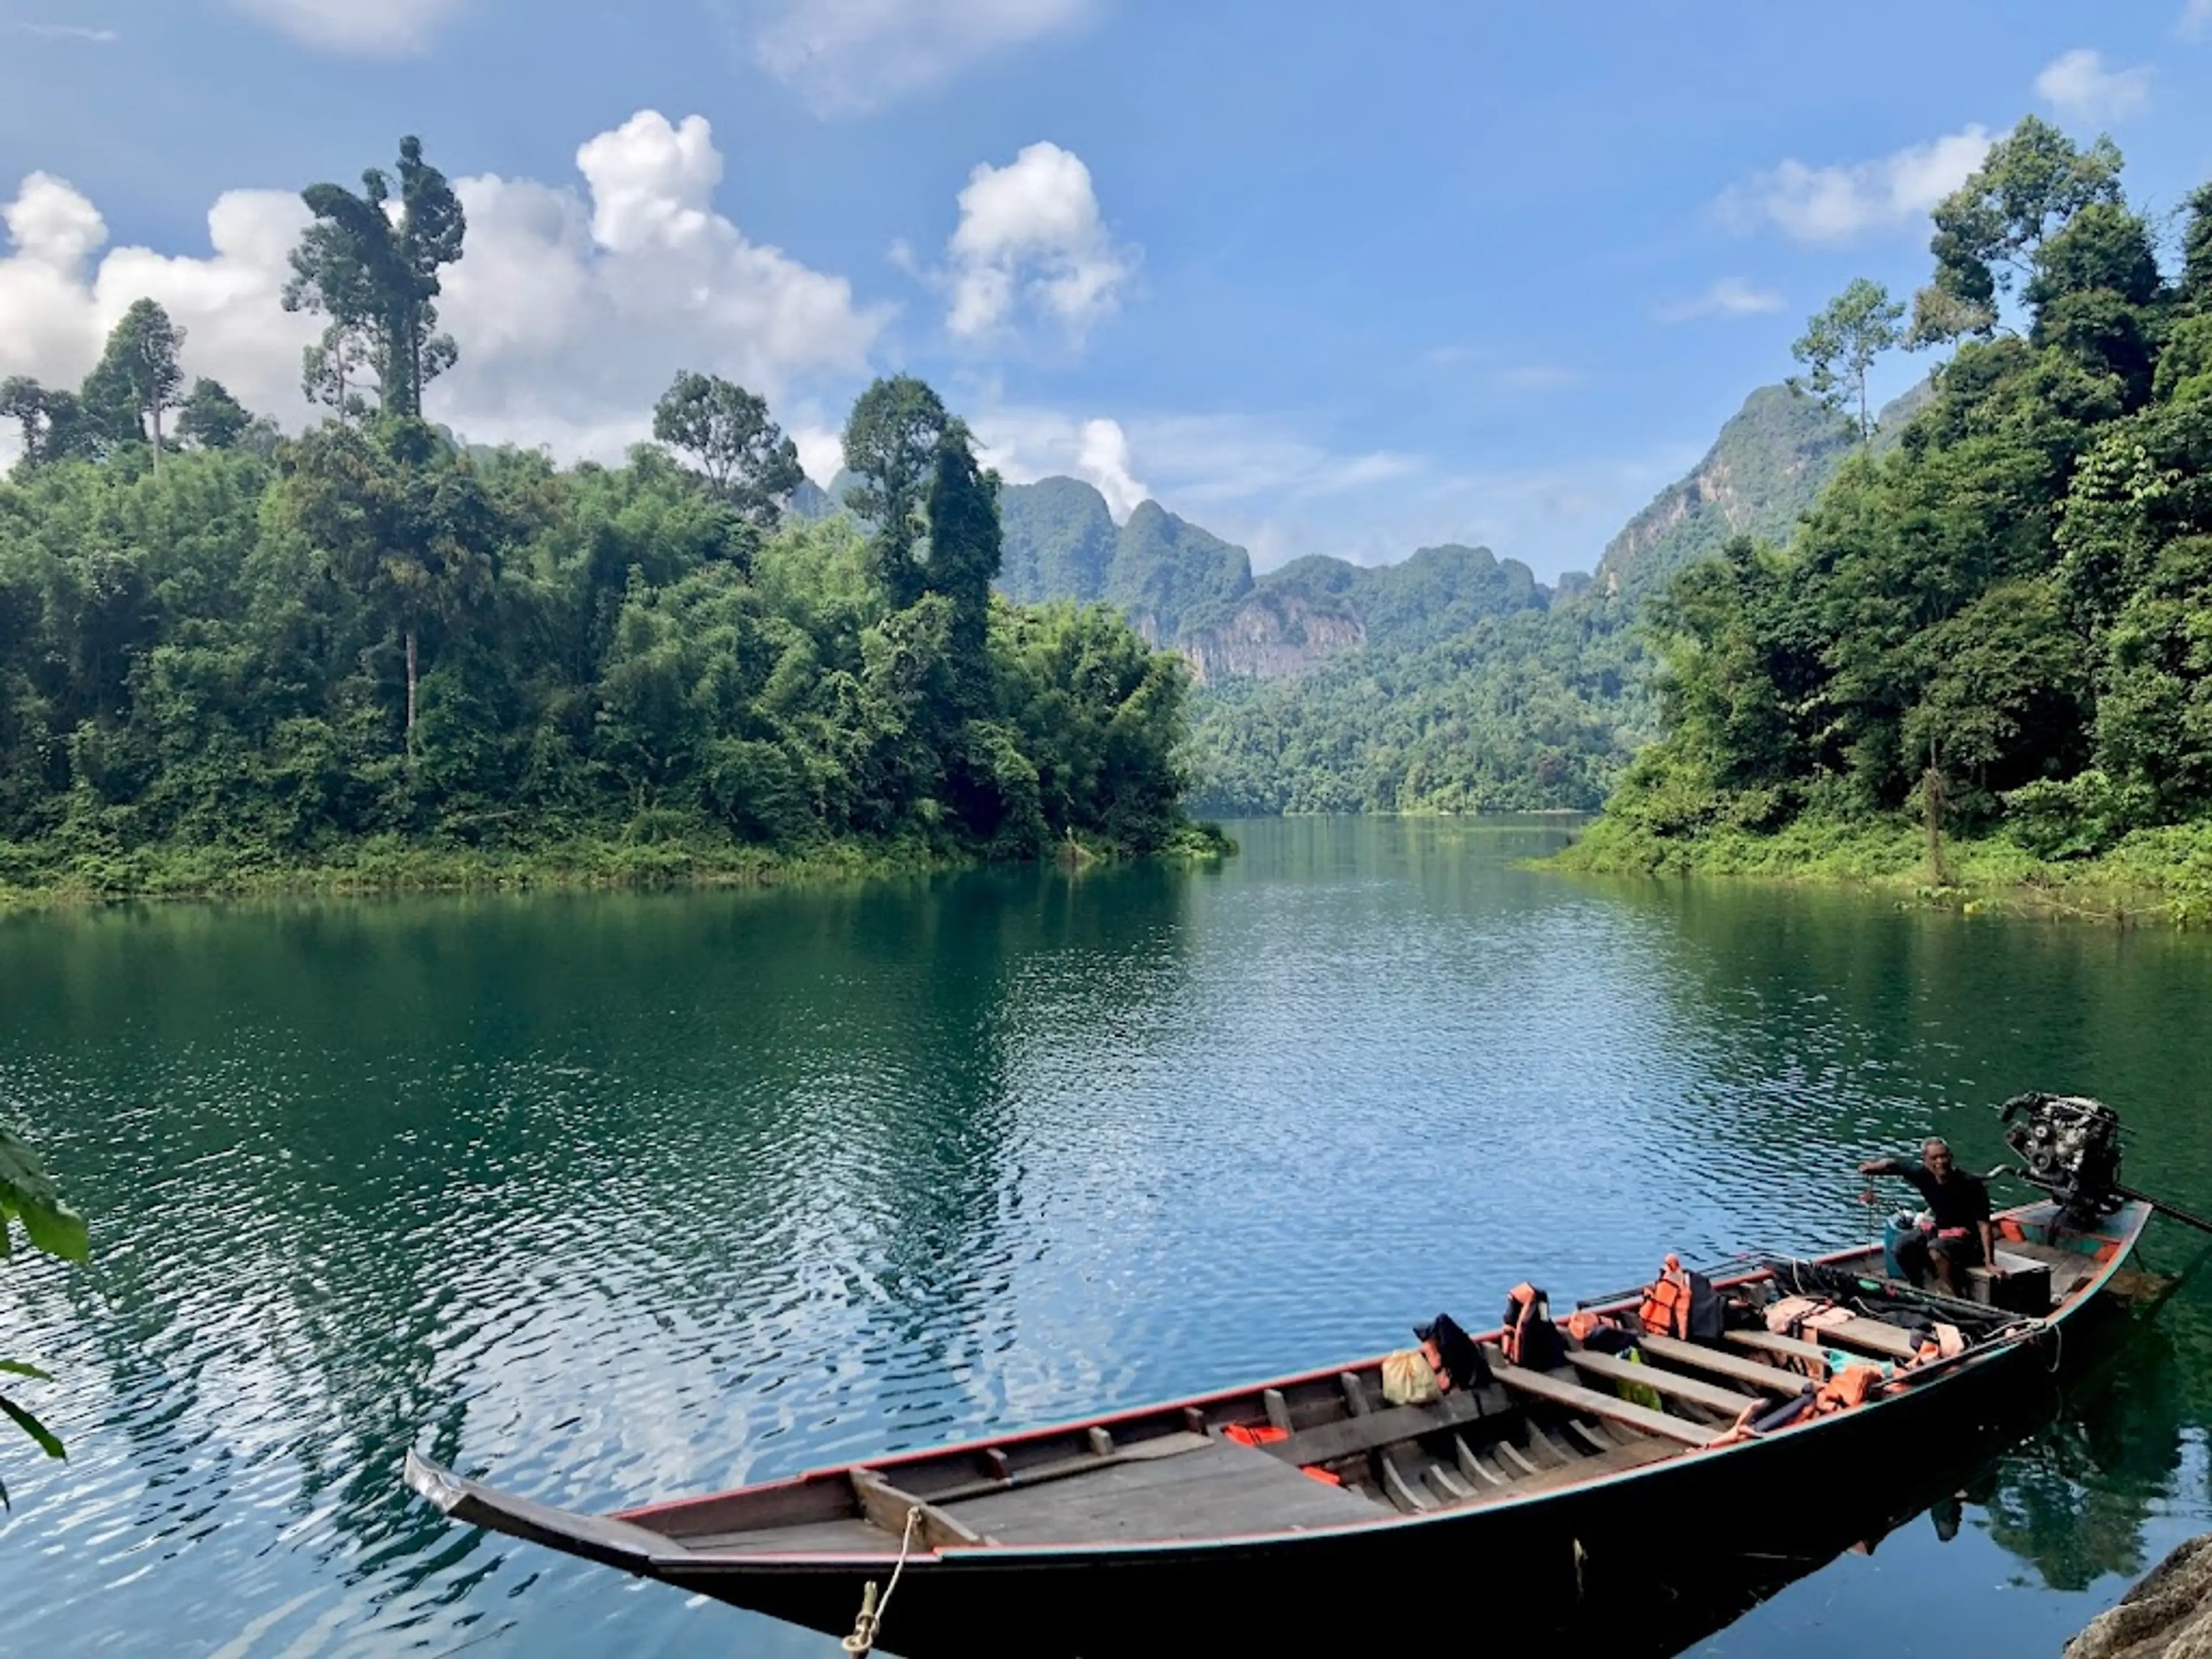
{"points": [[891, 442]]}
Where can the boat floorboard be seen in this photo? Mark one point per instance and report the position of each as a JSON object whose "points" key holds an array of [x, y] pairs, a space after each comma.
{"points": [[1225, 1489], [847, 1537]]}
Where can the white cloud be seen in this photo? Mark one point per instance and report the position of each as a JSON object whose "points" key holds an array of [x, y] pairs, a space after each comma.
{"points": [[356, 28], [1730, 297], [1836, 203], [573, 309], [1104, 459], [1030, 235], [821, 450], [2078, 84], [2195, 21], [79, 32], [57, 306], [845, 55]]}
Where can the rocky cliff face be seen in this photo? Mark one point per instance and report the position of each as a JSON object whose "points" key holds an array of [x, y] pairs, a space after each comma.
{"points": [[1271, 636], [1769, 462]]}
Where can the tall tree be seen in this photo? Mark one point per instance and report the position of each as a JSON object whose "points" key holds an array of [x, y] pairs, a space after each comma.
{"points": [[406, 523], [891, 444], [965, 544], [368, 263], [744, 456], [1841, 343], [139, 376], [1987, 231]]}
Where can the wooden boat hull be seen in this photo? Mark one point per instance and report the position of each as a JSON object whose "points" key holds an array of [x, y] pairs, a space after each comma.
{"points": [[1791, 1499]]}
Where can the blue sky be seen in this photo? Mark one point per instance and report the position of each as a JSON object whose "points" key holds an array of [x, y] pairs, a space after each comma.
{"points": [[1322, 278]]}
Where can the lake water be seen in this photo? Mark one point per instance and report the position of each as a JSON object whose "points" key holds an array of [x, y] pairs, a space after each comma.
{"points": [[615, 1198]]}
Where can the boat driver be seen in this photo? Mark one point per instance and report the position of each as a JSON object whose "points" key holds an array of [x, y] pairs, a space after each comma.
{"points": [[1960, 1236]]}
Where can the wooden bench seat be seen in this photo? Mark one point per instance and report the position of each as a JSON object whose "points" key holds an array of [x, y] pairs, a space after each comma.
{"points": [[1715, 1362], [1541, 1385], [1372, 1430], [1661, 1381], [1866, 1335]]}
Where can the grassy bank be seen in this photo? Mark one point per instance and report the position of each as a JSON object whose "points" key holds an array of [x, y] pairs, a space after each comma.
{"points": [[35, 874], [2153, 876]]}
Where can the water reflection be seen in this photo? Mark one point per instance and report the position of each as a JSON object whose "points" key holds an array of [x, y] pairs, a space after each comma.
{"points": [[617, 1197]]}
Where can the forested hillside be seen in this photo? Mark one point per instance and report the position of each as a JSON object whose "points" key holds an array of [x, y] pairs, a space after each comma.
{"points": [[225, 653], [2003, 626]]}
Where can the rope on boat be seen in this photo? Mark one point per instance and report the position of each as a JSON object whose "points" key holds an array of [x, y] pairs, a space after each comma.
{"points": [[862, 1641]]}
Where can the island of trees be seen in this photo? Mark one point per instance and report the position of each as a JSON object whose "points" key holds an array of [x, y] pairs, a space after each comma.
{"points": [[370, 654], [1986, 654]]}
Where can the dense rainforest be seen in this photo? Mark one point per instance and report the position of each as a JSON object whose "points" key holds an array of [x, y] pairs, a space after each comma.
{"points": [[226, 655], [2001, 627]]}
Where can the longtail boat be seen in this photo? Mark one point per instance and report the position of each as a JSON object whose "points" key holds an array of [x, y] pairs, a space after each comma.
{"points": [[1263, 1514]]}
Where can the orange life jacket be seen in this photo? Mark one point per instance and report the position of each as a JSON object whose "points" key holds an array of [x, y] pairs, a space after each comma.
{"points": [[1848, 1388], [1254, 1434], [1666, 1307]]}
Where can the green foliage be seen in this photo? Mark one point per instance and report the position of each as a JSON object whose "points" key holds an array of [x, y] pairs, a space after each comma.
{"points": [[891, 440], [1989, 231], [742, 454], [212, 418], [378, 655], [2016, 599], [29, 1199]]}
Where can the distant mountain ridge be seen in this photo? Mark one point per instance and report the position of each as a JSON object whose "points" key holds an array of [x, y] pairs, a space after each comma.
{"points": [[1184, 587]]}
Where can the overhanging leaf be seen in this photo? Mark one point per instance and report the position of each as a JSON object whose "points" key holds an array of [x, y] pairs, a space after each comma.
{"points": [[18, 1368], [57, 1229], [49, 1442]]}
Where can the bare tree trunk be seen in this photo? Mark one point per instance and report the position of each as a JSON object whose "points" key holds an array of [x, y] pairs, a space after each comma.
{"points": [[410, 691], [1931, 790], [157, 439]]}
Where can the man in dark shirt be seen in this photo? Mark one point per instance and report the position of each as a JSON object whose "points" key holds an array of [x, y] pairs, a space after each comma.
{"points": [[1962, 1236]]}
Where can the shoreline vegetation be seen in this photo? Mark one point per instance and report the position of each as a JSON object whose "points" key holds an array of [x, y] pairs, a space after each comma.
{"points": [[2152, 876], [375, 657], [394, 865]]}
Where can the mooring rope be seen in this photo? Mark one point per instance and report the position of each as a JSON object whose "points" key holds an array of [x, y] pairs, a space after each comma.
{"points": [[862, 1641]]}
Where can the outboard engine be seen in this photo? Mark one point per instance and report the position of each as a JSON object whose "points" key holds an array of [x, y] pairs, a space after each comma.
{"points": [[2069, 1146]]}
